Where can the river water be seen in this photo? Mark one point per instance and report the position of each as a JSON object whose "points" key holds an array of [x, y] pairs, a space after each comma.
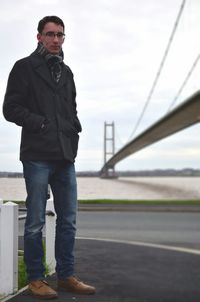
{"points": [[121, 188]]}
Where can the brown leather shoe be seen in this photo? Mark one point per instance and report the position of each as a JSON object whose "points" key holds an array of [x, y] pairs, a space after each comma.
{"points": [[74, 285], [42, 290]]}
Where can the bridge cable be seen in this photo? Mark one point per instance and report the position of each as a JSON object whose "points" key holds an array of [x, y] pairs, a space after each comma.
{"points": [[118, 140], [184, 82], [160, 68]]}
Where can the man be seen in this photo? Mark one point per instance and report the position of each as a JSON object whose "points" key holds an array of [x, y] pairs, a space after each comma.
{"points": [[40, 97]]}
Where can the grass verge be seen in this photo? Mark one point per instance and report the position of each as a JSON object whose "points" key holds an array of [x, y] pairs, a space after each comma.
{"points": [[141, 202], [133, 201]]}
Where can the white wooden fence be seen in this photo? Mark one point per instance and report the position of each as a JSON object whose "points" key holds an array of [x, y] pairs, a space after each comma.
{"points": [[50, 236], [9, 245]]}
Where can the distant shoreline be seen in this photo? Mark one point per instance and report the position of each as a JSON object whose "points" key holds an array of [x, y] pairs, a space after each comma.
{"points": [[186, 172]]}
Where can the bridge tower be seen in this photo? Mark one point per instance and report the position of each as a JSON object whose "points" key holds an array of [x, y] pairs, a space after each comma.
{"points": [[109, 149]]}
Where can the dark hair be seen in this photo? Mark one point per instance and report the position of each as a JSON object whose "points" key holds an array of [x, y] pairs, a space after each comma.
{"points": [[47, 19]]}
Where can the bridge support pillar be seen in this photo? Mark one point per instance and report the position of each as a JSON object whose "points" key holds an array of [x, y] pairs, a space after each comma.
{"points": [[109, 173], [109, 149]]}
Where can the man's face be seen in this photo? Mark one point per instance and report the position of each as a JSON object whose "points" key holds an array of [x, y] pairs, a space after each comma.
{"points": [[52, 37]]}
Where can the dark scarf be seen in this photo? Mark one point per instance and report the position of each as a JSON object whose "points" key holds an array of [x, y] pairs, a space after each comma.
{"points": [[54, 62]]}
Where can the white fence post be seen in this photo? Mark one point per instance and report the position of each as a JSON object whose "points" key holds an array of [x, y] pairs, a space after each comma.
{"points": [[8, 248], [50, 236]]}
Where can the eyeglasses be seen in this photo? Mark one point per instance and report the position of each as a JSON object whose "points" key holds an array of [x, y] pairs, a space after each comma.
{"points": [[52, 35]]}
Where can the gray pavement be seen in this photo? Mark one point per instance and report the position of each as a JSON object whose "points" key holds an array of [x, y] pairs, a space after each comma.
{"points": [[130, 272], [125, 272]]}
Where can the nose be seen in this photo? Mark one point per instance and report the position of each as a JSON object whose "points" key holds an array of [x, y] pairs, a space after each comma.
{"points": [[55, 38]]}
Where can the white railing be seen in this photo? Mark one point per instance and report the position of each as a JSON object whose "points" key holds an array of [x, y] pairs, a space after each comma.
{"points": [[9, 245], [50, 236], [8, 248]]}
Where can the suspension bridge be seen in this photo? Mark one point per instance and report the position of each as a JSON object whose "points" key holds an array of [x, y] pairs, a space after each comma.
{"points": [[183, 116]]}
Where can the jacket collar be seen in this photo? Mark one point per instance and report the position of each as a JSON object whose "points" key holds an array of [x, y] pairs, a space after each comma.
{"points": [[40, 66]]}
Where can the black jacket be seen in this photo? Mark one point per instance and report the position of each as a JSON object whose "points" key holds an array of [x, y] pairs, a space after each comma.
{"points": [[32, 99]]}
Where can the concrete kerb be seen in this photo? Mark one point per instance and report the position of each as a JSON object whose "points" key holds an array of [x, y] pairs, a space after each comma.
{"points": [[14, 295], [139, 208], [136, 207]]}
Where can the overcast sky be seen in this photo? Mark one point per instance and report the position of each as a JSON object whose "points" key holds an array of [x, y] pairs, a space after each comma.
{"points": [[114, 48]]}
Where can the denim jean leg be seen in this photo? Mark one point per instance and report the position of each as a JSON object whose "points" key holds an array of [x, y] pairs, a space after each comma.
{"points": [[36, 176], [64, 189]]}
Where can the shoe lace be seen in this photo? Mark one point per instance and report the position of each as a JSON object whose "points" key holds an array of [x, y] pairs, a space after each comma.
{"points": [[43, 282], [77, 279]]}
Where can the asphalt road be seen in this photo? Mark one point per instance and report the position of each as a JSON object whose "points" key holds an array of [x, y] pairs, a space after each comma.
{"points": [[166, 228], [176, 229]]}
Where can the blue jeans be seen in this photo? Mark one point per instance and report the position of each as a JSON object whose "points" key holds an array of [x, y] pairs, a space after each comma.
{"points": [[62, 179]]}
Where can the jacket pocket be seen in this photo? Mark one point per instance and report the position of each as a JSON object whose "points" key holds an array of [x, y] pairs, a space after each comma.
{"points": [[70, 138], [43, 141]]}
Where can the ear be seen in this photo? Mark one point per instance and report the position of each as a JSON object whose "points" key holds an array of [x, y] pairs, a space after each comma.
{"points": [[39, 36]]}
